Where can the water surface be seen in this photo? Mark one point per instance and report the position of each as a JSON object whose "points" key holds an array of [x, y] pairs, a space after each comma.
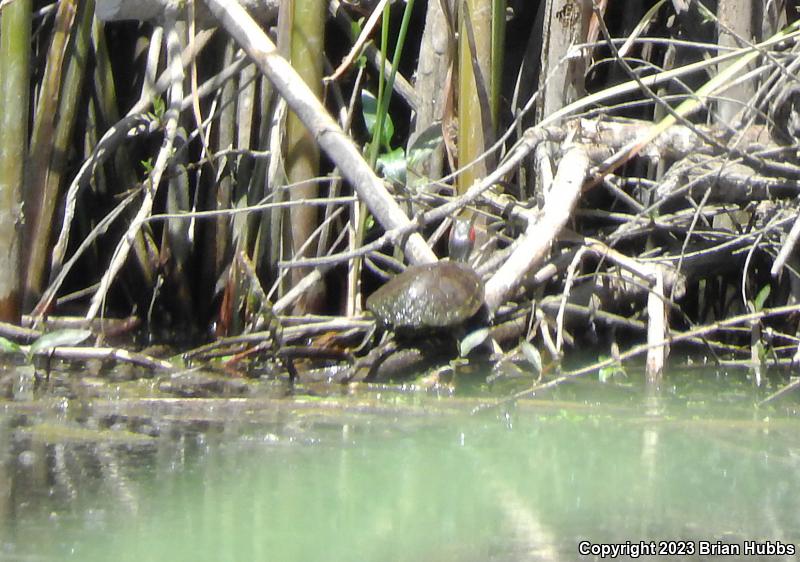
{"points": [[386, 475]]}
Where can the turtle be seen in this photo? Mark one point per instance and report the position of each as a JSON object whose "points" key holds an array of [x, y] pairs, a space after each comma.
{"points": [[437, 299], [433, 296]]}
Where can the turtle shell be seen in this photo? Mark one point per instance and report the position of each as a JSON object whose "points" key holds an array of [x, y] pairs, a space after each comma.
{"points": [[434, 295]]}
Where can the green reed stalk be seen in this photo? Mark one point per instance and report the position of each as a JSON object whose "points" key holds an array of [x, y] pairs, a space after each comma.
{"points": [[15, 54]]}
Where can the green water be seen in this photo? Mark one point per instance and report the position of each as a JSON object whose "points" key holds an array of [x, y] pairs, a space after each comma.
{"points": [[391, 477]]}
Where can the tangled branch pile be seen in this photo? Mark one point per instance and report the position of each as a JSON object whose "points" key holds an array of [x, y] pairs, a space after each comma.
{"points": [[623, 190]]}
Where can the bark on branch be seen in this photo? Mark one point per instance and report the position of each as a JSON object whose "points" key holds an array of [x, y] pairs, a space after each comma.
{"points": [[539, 236]]}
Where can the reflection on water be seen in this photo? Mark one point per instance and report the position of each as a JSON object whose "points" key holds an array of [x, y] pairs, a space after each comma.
{"points": [[303, 481]]}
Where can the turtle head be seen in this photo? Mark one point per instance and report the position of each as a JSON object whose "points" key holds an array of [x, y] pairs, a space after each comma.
{"points": [[462, 239]]}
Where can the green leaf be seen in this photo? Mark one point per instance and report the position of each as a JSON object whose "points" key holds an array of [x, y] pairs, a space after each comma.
{"points": [[472, 340], [612, 371], [179, 361], [532, 355], [425, 143], [369, 108], [9, 346], [761, 298], [393, 165], [59, 338], [159, 107]]}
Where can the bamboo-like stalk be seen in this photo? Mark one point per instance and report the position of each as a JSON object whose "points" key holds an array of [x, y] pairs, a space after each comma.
{"points": [[71, 87], [258, 179], [176, 238], [736, 26], [435, 57], [15, 52], [477, 110], [246, 123], [561, 83], [37, 200], [302, 152], [476, 24], [224, 192], [236, 131], [497, 58]]}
